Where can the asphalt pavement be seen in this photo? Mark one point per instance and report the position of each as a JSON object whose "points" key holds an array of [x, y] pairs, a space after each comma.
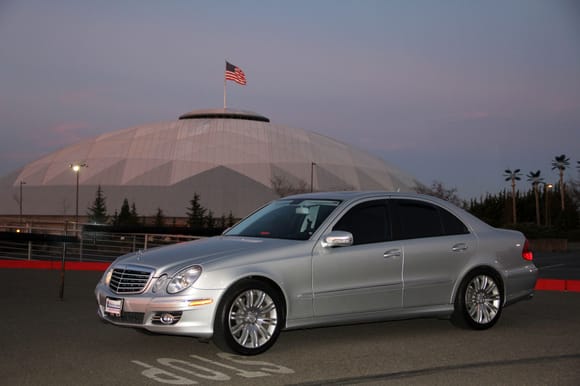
{"points": [[49, 341], [558, 265]]}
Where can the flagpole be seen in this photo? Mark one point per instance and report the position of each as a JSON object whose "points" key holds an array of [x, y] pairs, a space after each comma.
{"points": [[225, 90]]}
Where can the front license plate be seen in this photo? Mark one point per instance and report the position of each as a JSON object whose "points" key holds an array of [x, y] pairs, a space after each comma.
{"points": [[114, 306]]}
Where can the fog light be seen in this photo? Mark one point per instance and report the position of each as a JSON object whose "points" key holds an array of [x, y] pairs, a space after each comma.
{"points": [[166, 318]]}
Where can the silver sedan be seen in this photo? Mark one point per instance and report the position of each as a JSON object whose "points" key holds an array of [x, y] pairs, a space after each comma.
{"points": [[319, 259]]}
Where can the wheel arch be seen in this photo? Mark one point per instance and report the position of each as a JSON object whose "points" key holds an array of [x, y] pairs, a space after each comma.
{"points": [[229, 340], [266, 280], [480, 268]]}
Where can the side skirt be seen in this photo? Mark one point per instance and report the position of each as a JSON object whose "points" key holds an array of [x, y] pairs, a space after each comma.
{"points": [[441, 311]]}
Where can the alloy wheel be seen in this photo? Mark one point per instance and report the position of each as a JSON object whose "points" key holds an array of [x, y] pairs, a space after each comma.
{"points": [[252, 318], [482, 299]]}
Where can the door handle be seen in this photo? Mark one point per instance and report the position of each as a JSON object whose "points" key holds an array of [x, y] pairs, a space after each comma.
{"points": [[459, 247], [392, 253]]}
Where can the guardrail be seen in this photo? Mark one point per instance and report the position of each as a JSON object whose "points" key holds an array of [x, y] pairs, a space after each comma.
{"points": [[40, 243]]}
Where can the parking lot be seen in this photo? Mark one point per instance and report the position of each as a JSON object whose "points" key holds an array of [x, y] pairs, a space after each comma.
{"points": [[50, 341]]}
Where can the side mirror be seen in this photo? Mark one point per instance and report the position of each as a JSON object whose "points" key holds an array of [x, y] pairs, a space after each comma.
{"points": [[337, 239]]}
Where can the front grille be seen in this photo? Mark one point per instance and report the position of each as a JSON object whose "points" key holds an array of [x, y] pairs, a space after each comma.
{"points": [[129, 280]]}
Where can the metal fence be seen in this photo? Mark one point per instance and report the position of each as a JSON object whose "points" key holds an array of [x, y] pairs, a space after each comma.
{"points": [[41, 243]]}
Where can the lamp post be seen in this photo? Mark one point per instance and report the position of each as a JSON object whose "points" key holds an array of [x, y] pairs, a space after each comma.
{"points": [[312, 165], [547, 188], [76, 168], [20, 200]]}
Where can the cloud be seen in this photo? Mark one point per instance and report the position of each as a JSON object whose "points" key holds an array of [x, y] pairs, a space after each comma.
{"points": [[54, 137]]}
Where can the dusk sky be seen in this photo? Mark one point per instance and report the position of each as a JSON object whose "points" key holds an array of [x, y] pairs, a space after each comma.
{"points": [[455, 91]]}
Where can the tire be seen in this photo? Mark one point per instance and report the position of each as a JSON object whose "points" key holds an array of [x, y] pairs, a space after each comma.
{"points": [[249, 318], [479, 301]]}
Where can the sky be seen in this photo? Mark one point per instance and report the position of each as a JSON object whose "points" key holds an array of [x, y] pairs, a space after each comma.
{"points": [[449, 90]]}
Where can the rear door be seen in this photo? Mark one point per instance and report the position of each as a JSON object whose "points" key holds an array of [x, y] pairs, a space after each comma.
{"points": [[436, 245]]}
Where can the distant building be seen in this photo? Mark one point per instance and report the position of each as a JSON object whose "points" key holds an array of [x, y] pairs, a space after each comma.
{"points": [[235, 160]]}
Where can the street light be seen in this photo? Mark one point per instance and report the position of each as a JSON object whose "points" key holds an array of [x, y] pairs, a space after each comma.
{"points": [[312, 165], [76, 168], [547, 188], [20, 201]]}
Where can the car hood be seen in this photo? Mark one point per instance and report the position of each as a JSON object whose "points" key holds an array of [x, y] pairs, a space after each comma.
{"points": [[172, 258]]}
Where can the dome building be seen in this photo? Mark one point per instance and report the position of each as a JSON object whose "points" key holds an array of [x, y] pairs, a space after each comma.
{"points": [[235, 160]]}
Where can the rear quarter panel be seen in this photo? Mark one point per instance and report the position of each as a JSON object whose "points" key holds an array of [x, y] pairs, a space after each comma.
{"points": [[501, 250]]}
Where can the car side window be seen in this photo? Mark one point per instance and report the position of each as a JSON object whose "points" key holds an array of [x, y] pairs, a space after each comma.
{"points": [[368, 222], [416, 219], [451, 224]]}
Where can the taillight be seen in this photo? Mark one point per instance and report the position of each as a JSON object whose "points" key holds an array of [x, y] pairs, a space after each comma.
{"points": [[527, 252]]}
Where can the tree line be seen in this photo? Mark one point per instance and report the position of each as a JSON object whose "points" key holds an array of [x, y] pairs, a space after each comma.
{"points": [[541, 210], [200, 220]]}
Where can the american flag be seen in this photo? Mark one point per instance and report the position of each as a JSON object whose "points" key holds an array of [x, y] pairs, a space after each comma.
{"points": [[235, 73]]}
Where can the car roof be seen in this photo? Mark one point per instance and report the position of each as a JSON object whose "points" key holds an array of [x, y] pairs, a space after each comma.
{"points": [[349, 196], [354, 195]]}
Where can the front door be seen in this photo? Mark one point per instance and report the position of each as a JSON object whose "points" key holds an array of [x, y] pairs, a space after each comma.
{"points": [[363, 277]]}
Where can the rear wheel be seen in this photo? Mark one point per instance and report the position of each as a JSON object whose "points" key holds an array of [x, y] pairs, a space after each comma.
{"points": [[479, 302], [249, 318]]}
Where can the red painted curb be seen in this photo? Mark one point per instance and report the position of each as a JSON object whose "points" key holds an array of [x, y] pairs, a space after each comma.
{"points": [[550, 285], [573, 286], [54, 265], [558, 285]]}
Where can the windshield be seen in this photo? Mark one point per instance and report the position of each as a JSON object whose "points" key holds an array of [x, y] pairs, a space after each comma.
{"points": [[294, 219]]}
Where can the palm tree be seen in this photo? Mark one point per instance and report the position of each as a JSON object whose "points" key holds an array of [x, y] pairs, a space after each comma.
{"points": [[561, 163], [535, 179], [513, 177]]}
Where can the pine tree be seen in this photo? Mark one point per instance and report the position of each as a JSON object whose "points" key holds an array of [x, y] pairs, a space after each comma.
{"points": [[124, 217], [210, 220], [231, 219], [159, 218], [195, 213], [134, 215], [98, 212], [223, 222], [115, 219]]}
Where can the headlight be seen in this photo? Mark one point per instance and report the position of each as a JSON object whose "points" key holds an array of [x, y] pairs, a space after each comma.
{"points": [[159, 284], [184, 279], [107, 275]]}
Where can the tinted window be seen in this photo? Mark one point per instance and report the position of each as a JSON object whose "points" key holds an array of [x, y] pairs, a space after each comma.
{"points": [[451, 224], [368, 223], [416, 219]]}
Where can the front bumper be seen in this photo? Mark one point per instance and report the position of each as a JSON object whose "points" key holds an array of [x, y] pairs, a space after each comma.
{"points": [[194, 315]]}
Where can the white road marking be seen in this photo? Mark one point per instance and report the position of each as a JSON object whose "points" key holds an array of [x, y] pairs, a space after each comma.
{"points": [[160, 374]]}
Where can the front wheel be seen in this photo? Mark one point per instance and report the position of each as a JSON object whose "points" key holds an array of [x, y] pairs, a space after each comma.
{"points": [[479, 302], [249, 318]]}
